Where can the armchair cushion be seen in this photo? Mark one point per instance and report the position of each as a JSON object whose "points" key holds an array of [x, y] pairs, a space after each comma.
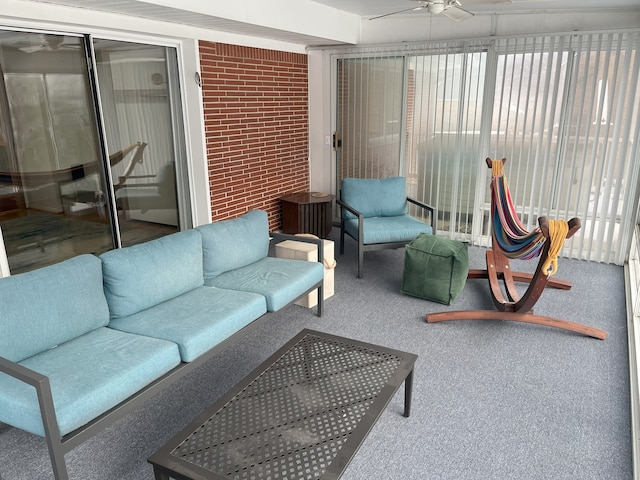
{"points": [[401, 228], [375, 197]]}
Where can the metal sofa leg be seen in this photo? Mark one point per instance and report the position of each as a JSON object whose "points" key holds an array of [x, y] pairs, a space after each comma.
{"points": [[50, 424], [320, 300]]}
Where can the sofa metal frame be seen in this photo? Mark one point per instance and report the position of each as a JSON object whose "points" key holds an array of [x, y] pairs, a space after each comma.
{"points": [[58, 446], [367, 247]]}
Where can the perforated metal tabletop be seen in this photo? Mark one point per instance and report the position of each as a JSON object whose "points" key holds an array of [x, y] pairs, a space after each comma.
{"points": [[302, 414]]}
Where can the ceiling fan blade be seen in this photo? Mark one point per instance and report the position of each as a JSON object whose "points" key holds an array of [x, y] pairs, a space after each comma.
{"points": [[457, 14], [399, 11]]}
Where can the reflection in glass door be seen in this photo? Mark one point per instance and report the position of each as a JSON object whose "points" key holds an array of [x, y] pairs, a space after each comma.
{"points": [[87, 163], [140, 104], [52, 186]]}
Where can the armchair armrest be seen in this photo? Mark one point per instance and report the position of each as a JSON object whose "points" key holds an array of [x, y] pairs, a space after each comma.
{"points": [[432, 211], [360, 223], [349, 208]]}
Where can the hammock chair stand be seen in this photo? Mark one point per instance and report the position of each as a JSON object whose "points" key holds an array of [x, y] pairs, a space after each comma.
{"points": [[515, 307]]}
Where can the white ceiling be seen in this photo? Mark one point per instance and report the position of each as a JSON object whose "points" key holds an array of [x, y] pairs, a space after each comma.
{"points": [[370, 8], [327, 22]]}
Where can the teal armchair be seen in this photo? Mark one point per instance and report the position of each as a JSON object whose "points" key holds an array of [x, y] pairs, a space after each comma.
{"points": [[375, 214]]}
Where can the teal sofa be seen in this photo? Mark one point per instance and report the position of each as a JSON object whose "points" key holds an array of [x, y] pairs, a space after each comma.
{"points": [[84, 341]]}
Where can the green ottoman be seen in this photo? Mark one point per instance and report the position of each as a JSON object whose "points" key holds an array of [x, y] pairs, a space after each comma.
{"points": [[435, 268]]}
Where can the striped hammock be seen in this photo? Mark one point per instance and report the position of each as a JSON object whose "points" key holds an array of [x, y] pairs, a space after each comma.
{"points": [[509, 234]]}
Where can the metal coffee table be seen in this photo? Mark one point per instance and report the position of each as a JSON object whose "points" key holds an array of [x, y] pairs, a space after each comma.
{"points": [[302, 414]]}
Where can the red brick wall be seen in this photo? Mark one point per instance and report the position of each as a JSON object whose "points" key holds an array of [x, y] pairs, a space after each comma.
{"points": [[256, 123]]}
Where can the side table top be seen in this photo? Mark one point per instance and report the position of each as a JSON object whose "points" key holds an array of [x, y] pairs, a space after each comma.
{"points": [[307, 197]]}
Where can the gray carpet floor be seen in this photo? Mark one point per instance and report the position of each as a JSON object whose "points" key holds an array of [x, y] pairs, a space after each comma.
{"points": [[492, 400]]}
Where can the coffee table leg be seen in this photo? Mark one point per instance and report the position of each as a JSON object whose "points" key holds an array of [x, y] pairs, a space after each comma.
{"points": [[408, 390], [160, 473]]}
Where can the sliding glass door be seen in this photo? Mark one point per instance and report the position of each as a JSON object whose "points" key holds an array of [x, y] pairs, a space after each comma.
{"points": [[369, 121], [88, 162], [140, 102], [53, 201], [564, 110]]}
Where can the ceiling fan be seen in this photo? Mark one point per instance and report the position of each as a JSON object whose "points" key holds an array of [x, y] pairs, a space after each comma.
{"points": [[449, 8], [48, 42]]}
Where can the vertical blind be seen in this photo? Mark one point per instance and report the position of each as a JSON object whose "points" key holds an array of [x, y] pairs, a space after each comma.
{"points": [[562, 109]]}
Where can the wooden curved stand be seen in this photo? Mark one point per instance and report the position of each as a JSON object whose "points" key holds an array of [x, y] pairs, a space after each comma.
{"points": [[514, 307]]}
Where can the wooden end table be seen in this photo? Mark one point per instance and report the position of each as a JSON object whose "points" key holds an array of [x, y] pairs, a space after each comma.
{"points": [[307, 212]]}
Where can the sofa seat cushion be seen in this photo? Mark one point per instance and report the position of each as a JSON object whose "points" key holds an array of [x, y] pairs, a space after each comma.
{"points": [[402, 228], [235, 243], [51, 305], [88, 376], [197, 320], [279, 280], [143, 275]]}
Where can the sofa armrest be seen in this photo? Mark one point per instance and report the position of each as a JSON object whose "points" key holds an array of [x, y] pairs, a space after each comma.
{"points": [[23, 374], [43, 389], [432, 211], [47, 410], [281, 237]]}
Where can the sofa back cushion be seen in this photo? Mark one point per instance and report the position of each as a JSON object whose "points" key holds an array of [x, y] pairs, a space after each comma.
{"points": [[144, 275], [51, 305], [375, 197], [231, 244]]}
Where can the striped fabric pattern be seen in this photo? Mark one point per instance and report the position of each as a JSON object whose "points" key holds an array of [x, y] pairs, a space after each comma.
{"points": [[509, 234]]}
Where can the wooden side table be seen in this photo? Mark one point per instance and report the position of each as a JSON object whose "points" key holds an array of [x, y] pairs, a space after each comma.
{"points": [[307, 212]]}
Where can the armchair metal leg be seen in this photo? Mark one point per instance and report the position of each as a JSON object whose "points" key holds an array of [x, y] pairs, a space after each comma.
{"points": [[360, 258]]}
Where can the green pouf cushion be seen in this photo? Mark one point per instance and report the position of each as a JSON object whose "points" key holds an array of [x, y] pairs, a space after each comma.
{"points": [[435, 268]]}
